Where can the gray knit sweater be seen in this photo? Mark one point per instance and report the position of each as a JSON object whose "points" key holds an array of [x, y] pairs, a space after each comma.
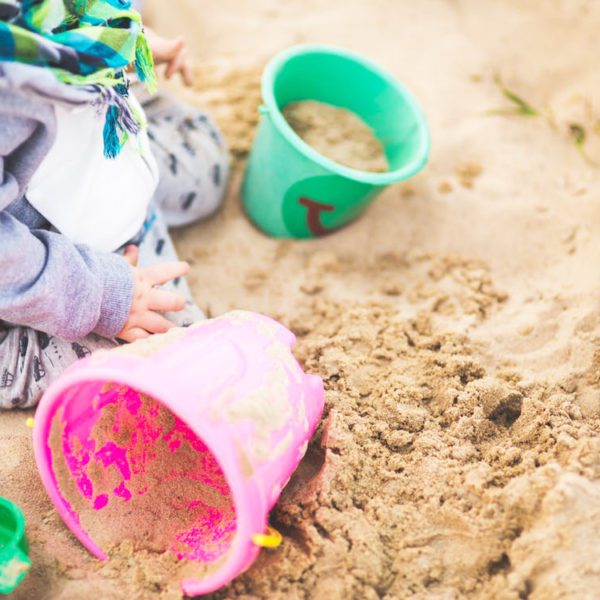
{"points": [[46, 281]]}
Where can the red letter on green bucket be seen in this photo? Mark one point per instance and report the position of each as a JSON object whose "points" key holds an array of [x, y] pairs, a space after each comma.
{"points": [[313, 216], [319, 205]]}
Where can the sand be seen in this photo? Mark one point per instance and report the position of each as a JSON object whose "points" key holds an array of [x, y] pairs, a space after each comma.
{"points": [[456, 325], [337, 134]]}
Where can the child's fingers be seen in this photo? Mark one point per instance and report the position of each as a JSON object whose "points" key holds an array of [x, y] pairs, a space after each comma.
{"points": [[134, 334], [177, 64], [165, 301], [172, 67], [131, 255], [172, 48], [164, 272], [167, 50], [187, 72], [163, 49], [154, 323]]}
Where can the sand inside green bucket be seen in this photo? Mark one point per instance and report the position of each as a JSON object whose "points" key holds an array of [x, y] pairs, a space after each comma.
{"points": [[337, 134]]}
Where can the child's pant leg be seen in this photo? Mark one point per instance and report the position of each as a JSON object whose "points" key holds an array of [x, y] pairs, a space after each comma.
{"points": [[31, 360], [192, 158]]}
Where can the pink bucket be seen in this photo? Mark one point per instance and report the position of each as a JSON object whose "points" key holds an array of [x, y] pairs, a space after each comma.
{"points": [[203, 425]]}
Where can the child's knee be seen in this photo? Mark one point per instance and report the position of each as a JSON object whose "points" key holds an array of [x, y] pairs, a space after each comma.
{"points": [[31, 360], [21, 368], [12, 397], [216, 163], [194, 164]]}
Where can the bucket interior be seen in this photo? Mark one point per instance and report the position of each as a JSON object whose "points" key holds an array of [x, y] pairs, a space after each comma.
{"points": [[344, 81], [130, 471]]}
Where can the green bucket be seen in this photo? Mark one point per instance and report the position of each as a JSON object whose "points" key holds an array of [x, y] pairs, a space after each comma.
{"points": [[290, 190], [14, 561]]}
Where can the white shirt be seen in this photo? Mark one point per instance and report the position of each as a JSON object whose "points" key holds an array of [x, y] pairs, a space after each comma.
{"points": [[88, 198]]}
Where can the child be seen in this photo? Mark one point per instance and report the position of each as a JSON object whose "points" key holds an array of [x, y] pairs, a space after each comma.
{"points": [[87, 190]]}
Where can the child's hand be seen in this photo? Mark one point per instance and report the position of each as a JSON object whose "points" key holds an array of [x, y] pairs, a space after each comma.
{"points": [[173, 53], [148, 302]]}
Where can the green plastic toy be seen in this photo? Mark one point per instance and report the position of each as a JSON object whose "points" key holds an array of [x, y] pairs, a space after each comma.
{"points": [[290, 190], [14, 561]]}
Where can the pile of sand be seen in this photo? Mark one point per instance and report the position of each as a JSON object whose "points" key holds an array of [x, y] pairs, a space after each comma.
{"points": [[456, 325], [436, 475]]}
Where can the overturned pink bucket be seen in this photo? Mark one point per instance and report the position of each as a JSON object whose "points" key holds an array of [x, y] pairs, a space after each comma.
{"points": [[237, 401]]}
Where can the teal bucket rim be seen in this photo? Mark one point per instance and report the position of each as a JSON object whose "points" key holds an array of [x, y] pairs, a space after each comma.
{"points": [[378, 179], [18, 531]]}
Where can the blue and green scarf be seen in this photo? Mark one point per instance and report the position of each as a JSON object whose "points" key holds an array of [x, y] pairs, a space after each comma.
{"points": [[84, 43]]}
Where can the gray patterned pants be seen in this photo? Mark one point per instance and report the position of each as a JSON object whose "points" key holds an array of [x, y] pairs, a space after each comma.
{"points": [[193, 164]]}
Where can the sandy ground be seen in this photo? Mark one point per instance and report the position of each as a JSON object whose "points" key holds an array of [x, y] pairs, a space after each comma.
{"points": [[456, 325]]}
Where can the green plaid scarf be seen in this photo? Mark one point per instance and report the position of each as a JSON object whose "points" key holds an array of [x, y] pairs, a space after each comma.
{"points": [[87, 43]]}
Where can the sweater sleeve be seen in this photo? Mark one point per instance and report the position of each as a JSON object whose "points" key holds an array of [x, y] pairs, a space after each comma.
{"points": [[46, 281], [53, 285]]}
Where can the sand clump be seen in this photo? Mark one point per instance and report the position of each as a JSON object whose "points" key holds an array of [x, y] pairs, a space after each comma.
{"points": [[466, 174], [338, 134]]}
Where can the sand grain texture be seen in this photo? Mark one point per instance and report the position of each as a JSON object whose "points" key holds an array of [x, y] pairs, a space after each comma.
{"points": [[456, 325]]}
